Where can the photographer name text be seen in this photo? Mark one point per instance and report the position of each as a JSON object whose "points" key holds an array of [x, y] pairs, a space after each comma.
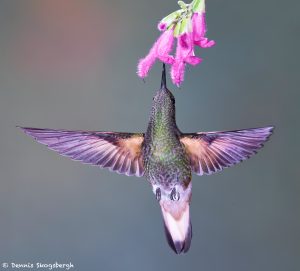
{"points": [[40, 266]]}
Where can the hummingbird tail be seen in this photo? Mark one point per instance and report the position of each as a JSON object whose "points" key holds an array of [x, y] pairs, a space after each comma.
{"points": [[178, 228]]}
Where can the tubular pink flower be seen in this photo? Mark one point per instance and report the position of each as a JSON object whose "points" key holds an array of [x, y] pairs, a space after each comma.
{"points": [[199, 31], [160, 49], [184, 54], [188, 26], [199, 25], [165, 46], [145, 64]]}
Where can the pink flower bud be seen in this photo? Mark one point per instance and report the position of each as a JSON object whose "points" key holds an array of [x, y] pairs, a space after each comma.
{"points": [[162, 26]]}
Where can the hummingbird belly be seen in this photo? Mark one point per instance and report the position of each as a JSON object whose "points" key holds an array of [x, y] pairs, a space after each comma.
{"points": [[167, 165]]}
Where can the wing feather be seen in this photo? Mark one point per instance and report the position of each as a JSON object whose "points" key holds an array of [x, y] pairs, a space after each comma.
{"points": [[211, 152], [119, 152]]}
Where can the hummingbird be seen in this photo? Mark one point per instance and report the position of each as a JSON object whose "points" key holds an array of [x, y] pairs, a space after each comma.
{"points": [[164, 155]]}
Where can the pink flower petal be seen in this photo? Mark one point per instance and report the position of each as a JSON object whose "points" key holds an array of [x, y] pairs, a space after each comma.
{"points": [[145, 64], [160, 49], [165, 46], [205, 43], [177, 72], [193, 60], [199, 31], [184, 46], [184, 54], [199, 26]]}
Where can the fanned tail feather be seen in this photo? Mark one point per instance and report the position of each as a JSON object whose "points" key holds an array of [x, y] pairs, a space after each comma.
{"points": [[178, 229]]}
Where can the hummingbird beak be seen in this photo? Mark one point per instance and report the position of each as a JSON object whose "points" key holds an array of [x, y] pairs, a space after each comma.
{"points": [[178, 227], [163, 84]]}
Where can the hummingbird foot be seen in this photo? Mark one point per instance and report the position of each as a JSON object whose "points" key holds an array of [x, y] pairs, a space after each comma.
{"points": [[158, 194], [175, 196]]}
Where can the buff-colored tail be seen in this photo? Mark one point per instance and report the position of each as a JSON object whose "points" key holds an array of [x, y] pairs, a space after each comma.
{"points": [[178, 227]]}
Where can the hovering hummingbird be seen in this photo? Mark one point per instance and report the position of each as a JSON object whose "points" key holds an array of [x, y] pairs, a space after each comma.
{"points": [[164, 155]]}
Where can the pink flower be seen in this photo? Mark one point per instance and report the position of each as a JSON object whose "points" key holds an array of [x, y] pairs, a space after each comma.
{"points": [[199, 31], [160, 49], [184, 54], [188, 25]]}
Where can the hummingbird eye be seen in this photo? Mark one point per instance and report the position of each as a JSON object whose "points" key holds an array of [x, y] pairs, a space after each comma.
{"points": [[158, 194], [175, 196]]}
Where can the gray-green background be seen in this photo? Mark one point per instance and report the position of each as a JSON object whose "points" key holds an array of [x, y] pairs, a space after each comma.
{"points": [[71, 64]]}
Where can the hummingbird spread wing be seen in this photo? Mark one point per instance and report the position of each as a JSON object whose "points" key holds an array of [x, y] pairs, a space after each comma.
{"points": [[120, 152], [212, 151]]}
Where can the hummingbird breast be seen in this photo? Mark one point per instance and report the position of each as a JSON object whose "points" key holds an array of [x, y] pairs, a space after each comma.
{"points": [[165, 160]]}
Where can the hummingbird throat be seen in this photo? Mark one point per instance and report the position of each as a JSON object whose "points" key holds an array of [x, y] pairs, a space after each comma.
{"points": [[163, 121]]}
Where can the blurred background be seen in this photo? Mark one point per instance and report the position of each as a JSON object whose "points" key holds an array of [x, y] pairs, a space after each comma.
{"points": [[72, 64]]}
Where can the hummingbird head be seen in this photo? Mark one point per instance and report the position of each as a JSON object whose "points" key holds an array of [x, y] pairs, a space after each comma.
{"points": [[175, 206], [163, 101]]}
